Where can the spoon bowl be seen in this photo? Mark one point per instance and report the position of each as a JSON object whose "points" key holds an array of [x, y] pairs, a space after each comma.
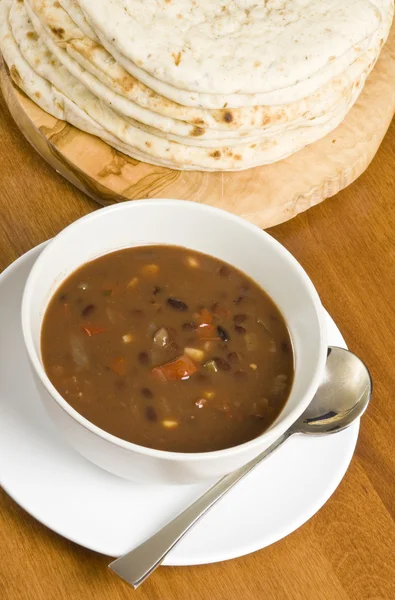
{"points": [[341, 398]]}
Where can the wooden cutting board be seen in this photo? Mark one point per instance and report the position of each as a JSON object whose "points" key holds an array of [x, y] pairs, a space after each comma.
{"points": [[264, 195]]}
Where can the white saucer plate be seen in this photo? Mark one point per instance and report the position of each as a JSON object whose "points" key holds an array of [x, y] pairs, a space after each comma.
{"points": [[110, 515]]}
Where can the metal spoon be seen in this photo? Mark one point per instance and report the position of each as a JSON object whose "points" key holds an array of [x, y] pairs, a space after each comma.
{"points": [[341, 398]]}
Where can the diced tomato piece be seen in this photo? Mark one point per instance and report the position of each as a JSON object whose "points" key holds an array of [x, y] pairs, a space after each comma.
{"points": [[207, 332], [205, 317], [92, 329], [118, 365], [176, 370]]}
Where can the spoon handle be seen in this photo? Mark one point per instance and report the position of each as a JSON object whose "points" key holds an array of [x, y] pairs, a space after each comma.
{"points": [[138, 564]]}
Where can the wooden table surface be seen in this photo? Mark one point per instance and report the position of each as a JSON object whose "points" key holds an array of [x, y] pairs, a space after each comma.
{"points": [[346, 551]]}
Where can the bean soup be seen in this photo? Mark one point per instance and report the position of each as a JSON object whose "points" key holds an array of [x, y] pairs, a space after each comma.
{"points": [[168, 348]]}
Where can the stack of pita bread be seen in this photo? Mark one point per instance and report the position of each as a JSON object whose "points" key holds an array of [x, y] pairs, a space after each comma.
{"points": [[208, 85]]}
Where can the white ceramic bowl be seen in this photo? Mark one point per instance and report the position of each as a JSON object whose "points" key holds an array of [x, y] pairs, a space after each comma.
{"points": [[207, 230]]}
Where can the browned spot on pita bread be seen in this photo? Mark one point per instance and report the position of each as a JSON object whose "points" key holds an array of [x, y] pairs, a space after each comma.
{"points": [[15, 75], [58, 31], [37, 94], [215, 154], [148, 144], [228, 117], [32, 35], [196, 131], [177, 58]]}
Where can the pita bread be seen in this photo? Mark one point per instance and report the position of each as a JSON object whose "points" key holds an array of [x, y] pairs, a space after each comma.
{"points": [[85, 101], [159, 150], [275, 54]]}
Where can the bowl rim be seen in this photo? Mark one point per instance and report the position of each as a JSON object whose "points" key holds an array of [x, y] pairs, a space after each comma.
{"points": [[274, 431]]}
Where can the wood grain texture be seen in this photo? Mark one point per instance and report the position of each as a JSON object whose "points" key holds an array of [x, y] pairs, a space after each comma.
{"points": [[264, 195], [346, 551]]}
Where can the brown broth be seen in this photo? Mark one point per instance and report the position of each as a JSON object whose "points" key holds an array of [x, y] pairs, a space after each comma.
{"points": [[168, 348]]}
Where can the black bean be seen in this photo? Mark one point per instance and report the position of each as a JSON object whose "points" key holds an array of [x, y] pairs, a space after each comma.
{"points": [[224, 271], [146, 392], [233, 357], [222, 364], [188, 326], [177, 304], [240, 329], [143, 358], [88, 310], [63, 298], [156, 290], [151, 413], [223, 334], [239, 319]]}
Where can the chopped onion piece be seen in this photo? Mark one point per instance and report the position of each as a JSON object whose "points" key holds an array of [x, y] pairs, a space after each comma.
{"points": [[251, 340], [212, 366], [279, 385], [162, 337], [78, 352], [195, 354], [111, 314]]}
